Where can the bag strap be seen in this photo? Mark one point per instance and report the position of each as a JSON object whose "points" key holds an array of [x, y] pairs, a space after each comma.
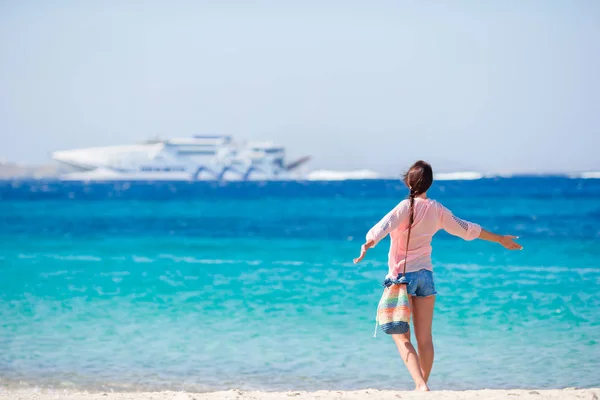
{"points": [[407, 240]]}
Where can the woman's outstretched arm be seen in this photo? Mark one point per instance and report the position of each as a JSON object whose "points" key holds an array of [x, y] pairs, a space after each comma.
{"points": [[505, 240], [384, 227], [470, 231]]}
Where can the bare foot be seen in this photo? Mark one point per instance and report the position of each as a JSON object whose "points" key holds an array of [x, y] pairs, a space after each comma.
{"points": [[422, 387]]}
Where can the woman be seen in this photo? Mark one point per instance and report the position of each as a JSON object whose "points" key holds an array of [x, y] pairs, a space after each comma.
{"points": [[424, 217]]}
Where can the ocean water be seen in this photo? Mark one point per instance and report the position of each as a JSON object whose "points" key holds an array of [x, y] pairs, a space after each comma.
{"points": [[199, 286]]}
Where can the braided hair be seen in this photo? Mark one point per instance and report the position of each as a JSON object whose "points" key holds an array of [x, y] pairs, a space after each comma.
{"points": [[418, 179]]}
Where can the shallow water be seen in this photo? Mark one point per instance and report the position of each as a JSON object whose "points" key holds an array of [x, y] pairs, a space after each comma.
{"points": [[204, 287]]}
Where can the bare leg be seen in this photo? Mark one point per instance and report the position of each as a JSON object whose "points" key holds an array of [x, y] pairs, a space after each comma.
{"points": [[410, 358], [422, 313]]}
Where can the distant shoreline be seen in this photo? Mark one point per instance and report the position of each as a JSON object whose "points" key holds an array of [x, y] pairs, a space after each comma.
{"points": [[21, 172], [57, 179]]}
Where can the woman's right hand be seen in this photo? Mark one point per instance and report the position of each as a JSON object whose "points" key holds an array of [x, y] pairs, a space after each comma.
{"points": [[363, 251], [508, 242]]}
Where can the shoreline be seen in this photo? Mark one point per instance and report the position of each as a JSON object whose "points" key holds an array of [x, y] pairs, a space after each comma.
{"points": [[235, 394]]}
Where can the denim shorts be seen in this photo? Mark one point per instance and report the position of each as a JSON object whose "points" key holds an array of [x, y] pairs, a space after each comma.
{"points": [[420, 283]]}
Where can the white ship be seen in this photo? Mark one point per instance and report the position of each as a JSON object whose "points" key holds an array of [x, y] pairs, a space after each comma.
{"points": [[209, 158]]}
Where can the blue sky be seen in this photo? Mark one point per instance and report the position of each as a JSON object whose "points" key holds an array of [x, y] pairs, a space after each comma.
{"points": [[495, 86]]}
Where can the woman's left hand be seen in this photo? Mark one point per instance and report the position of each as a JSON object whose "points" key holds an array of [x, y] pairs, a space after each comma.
{"points": [[363, 251]]}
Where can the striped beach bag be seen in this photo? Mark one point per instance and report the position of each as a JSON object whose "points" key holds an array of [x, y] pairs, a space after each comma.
{"points": [[393, 311]]}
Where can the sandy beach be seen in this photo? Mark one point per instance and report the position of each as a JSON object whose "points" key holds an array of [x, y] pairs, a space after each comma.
{"points": [[565, 394]]}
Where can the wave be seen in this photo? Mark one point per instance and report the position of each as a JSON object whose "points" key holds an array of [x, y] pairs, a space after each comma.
{"points": [[73, 257], [327, 175], [458, 176], [550, 271], [590, 175], [564, 175], [293, 263], [194, 260], [141, 259]]}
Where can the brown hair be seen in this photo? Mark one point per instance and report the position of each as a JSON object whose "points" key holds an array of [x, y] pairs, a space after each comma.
{"points": [[418, 179]]}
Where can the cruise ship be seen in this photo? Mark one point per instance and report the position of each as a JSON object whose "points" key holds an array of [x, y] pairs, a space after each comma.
{"points": [[201, 157]]}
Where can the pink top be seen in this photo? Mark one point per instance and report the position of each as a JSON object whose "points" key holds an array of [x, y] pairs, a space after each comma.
{"points": [[429, 217]]}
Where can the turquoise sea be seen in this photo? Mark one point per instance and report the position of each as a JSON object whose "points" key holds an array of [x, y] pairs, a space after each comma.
{"points": [[200, 286]]}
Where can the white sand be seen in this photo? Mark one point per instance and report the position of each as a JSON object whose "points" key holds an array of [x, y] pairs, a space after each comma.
{"points": [[588, 394]]}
